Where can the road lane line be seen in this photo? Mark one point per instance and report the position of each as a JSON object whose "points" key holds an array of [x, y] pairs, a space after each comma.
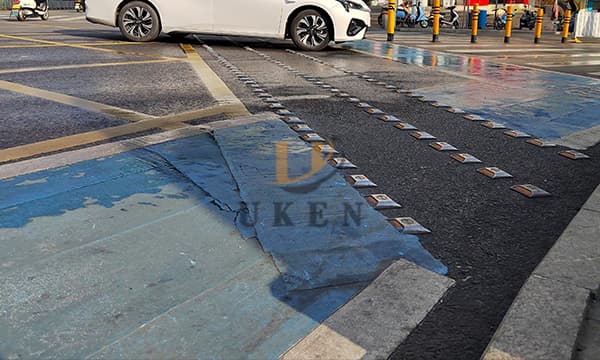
{"points": [[217, 88], [91, 137], [84, 47], [88, 105], [53, 161], [81, 66], [99, 43]]}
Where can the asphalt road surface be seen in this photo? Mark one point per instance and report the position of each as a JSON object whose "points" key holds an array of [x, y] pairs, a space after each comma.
{"points": [[489, 237]]}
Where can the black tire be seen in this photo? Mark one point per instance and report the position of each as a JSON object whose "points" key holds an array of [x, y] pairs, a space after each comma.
{"points": [[46, 16], [424, 24], [21, 16], [138, 21], [311, 31]]}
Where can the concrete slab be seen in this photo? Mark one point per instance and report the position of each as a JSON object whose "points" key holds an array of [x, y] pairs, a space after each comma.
{"points": [[378, 319]]}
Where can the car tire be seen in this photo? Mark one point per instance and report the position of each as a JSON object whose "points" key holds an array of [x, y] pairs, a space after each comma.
{"points": [[21, 15], [138, 21], [46, 16], [311, 31]]}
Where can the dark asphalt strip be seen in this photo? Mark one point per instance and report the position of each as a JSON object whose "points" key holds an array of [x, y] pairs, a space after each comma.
{"points": [[490, 237]]}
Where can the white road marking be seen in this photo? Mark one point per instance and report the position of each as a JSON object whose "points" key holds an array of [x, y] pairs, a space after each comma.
{"points": [[529, 50], [568, 63]]}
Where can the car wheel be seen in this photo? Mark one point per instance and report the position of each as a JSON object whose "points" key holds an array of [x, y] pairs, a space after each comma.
{"points": [[310, 31], [138, 21], [21, 15]]}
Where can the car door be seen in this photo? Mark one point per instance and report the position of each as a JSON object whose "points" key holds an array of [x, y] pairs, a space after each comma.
{"points": [[248, 17], [187, 15]]}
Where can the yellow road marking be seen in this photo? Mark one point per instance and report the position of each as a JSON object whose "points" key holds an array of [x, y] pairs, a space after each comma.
{"points": [[80, 66], [68, 142], [85, 47], [217, 88], [105, 43], [93, 106]]}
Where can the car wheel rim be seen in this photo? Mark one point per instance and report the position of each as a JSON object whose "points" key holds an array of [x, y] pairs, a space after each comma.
{"points": [[138, 22], [312, 30]]}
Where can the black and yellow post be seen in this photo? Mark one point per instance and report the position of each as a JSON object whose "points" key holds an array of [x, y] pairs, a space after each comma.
{"points": [[474, 22], [538, 25], [566, 24], [436, 20], [391, 26], [508, 27]]}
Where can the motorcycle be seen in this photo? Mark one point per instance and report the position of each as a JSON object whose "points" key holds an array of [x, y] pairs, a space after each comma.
{"points": [[500, 21], [404, 18], [22, 9], [453, 22], [527, 20], [80, 5]]}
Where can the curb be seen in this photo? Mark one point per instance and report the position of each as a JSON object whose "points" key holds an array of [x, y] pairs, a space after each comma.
{"points": [[377, 320], [544, 320]]}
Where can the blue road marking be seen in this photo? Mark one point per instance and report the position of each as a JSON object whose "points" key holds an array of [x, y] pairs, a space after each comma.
{"points": [[545, 104], [156, 236]]}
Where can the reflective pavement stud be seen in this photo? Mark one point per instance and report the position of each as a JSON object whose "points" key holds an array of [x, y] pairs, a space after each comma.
{"points": [[404, 91], [409, 225], [301, 128], [540, 143], [436, 21], [326, 86], [343, 95], [566, 24], [391, 87], [574, 155], [440, 105], [531, 191], [364, 105], [538, 25], [382, 83], [284, 112], [405, 126], [341, 163], [456, 110], [264, 95], [292, 120], [353, 100], [276, 106], [422, 135], [493, 125], [270, 100], [259, 90], [312, 138], [334, 91], [442, 146], [508, 26], [360, 181], [327, 149], [494, 173], [388, 118], [473, 117], [474, 23], [465, 158], [374, 111], [382, 202], [371, 80], [517, 134]]}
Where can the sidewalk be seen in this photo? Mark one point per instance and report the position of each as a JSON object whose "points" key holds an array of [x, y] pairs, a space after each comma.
{"points": [[550, 312]]}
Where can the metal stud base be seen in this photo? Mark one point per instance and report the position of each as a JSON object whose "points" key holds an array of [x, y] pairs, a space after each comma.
{"points": [[342, 163], [443, 146], [517, 134], [574, 155], [531, 191], [382, 201], [422, 135], [360, 181], [408, 225], [465, 158], [494, 173]]}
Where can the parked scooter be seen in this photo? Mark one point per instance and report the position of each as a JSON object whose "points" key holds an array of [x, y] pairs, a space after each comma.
{"points": [[527, 20], [420, 17], [80, 5], [23, 9], [403, 17], [500, 21], [452, 22]]}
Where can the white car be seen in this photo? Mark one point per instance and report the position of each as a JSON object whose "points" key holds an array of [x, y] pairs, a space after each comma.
{"points": [[311, 24]]}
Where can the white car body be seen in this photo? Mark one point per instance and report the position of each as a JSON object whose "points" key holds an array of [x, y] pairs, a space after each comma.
{"points": [[260, 18]]}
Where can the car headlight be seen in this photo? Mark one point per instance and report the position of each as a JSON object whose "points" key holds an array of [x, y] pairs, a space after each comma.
{"points": [[353, 4]]}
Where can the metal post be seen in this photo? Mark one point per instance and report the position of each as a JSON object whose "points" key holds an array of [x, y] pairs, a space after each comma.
{"points": [[436, 20], [538, 25], [474, 22], [566, 25], [391, 28], [508, 27]]}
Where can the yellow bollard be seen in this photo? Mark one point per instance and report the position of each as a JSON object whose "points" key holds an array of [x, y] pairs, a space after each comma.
{"points": [[391, 28], [566, 24], [508, 27], [475, 23], [436, 21], [538, 26]]}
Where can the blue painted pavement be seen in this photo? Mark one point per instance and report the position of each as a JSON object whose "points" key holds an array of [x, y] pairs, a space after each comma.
{"points": [[545, 104], [154, 252]]}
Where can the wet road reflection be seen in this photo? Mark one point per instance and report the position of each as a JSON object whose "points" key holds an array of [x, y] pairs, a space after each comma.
{"points": [[546, 104]]}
